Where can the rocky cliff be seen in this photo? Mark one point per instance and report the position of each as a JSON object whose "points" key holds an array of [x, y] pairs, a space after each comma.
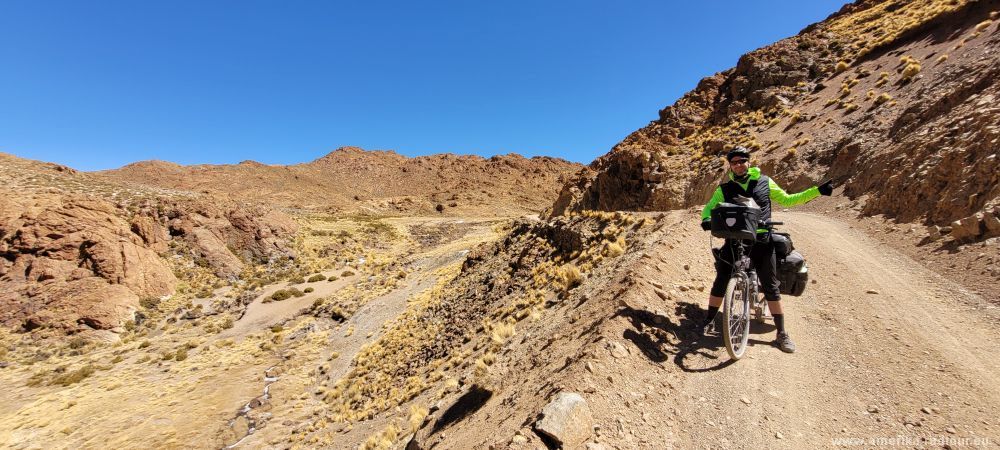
{"points": [[79, 254], [895, 101]]}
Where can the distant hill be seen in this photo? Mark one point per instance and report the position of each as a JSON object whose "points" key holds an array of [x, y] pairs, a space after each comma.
{"points": [[384, 182]]}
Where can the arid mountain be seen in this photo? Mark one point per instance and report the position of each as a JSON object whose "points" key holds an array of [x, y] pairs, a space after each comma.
{"points": [[352, 179], [896, 102], [568, 331]]}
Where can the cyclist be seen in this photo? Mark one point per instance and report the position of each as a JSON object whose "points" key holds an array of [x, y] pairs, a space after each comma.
{"points": [[747, 181]]}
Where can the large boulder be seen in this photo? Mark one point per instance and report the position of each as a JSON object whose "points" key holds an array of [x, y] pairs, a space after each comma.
{"points": [[991, 221], [567, 420], [967, 228]]}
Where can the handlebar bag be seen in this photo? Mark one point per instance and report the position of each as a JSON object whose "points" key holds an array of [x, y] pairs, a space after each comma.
{"points": [[731, 221]]}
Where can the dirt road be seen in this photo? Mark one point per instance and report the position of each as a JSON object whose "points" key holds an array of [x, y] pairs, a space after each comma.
{"points": [[888, 353]]}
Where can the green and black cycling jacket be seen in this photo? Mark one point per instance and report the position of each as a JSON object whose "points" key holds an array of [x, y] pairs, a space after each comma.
{"points": [[762, 189]]}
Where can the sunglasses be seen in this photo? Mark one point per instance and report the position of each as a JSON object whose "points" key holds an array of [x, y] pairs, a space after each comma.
{"points": [[739, 161]]}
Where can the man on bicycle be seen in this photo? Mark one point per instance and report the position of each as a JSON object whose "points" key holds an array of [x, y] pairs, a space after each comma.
{"points": [[747, 181]]}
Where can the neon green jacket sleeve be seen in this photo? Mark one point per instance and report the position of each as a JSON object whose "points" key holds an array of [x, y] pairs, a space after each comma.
{"points": [[788, 200], [706, 213]]}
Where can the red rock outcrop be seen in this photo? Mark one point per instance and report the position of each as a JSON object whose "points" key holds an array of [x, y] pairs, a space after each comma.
{"points": [[71, 261]]}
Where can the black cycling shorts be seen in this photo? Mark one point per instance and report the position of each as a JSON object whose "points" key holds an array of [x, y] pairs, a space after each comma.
{"points": [[764, 262]]}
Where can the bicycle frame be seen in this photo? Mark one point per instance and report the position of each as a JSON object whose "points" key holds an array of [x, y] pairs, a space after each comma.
{"points": [[742, 295]]}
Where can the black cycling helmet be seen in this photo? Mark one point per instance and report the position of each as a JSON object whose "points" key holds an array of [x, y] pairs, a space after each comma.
{"points": [[738, 151]]}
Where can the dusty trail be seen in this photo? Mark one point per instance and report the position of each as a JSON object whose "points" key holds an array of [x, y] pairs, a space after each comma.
{"points": [[886, 350]]}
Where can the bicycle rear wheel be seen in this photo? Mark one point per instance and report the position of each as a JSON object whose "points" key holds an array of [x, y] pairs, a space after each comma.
{"points": [[736, 315]]}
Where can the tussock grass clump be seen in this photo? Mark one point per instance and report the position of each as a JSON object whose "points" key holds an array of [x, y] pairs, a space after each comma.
{"points": [[884, 97], [911, 70], [417, 416], [317, 277], [77, 343], [73, 377], [877, 26], [883, 78], [149, 302], [841, 66], [502, 331], [570, 276], [384, 439], [614, 249]]}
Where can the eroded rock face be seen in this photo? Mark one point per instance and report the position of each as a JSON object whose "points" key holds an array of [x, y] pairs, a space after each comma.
{"points": [[73, 262], [229, 236]]}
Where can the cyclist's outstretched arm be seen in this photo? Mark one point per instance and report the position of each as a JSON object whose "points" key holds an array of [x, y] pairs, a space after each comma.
{"points": [[706, 212], [787, 200]]}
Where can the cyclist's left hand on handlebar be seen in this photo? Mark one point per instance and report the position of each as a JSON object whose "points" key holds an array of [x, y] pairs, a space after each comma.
{"points": [[706, 225], [826, 188]]}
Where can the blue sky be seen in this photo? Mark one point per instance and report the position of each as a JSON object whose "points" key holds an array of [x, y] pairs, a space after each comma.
{"points": [[99, 84]]}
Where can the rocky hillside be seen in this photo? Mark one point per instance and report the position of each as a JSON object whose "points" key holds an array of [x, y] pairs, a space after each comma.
{"points": [[895, 101], [80, 254], [384, 182]]}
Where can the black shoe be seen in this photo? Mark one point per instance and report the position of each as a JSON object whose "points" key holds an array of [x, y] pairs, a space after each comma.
{"points": [[702, 329], [784, 342]]}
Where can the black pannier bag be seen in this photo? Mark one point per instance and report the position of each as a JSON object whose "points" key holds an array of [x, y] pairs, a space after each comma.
{"points": [[793, 274], [782, 244], [731, 221]]}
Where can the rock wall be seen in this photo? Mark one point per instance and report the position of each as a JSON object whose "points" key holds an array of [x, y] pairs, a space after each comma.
{"points": [[894, 101]]}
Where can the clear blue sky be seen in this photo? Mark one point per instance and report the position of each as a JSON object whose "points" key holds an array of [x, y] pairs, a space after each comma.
{"points": [[98, 84]]}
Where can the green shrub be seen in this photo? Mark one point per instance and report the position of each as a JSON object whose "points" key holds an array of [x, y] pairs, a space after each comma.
{"points": [[308, 290], [296, 292], [297, 280], [277, 328], [347, 273], [317, 277], [281, 295]]}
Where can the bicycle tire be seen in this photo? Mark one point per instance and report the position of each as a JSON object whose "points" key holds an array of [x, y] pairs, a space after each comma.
{"points": [[736, 315]]}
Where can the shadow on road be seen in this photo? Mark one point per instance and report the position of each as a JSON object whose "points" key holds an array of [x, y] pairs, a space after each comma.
{"points": [[659, 338]]}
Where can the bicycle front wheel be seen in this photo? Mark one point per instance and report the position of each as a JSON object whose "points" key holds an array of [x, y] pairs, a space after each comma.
{"points": [[736, 315]]}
